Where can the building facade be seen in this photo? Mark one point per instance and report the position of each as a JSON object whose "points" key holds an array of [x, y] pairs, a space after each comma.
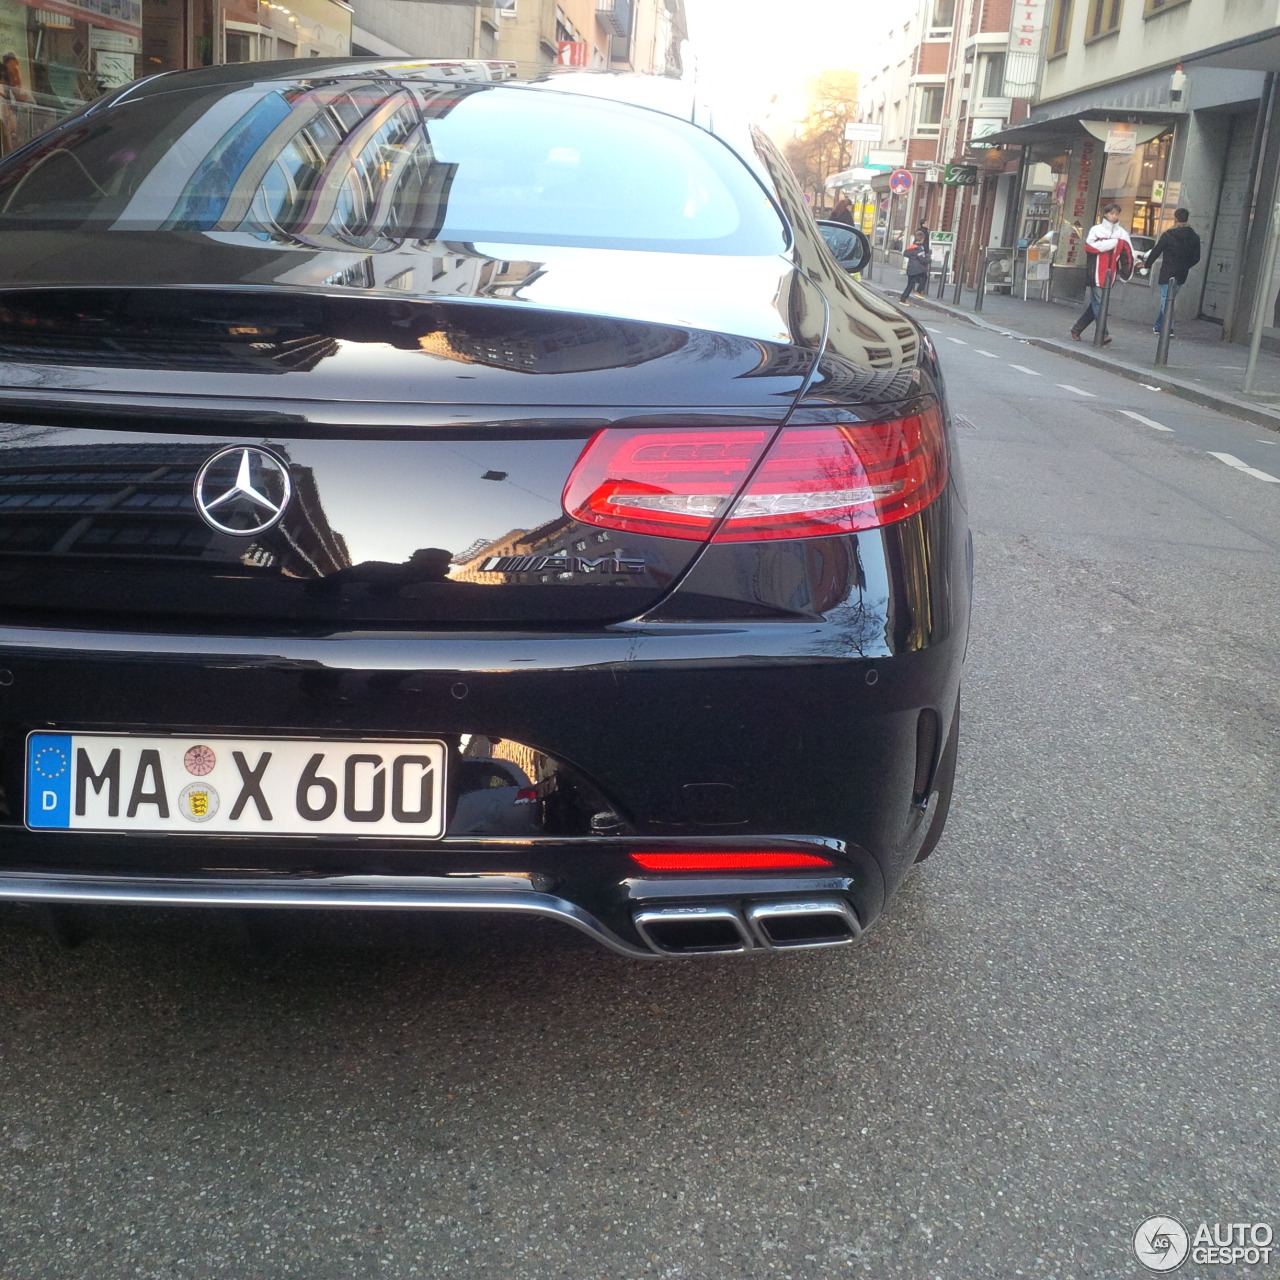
{"points": [[58, 55], [1154, 104], [414, 29], [936, 87], [619, 35]]}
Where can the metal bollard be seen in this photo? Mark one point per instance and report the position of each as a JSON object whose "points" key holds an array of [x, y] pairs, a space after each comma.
{"points": [[942, 275], [982, 281], [1166, 325], [958, 276], [1100, 320]]}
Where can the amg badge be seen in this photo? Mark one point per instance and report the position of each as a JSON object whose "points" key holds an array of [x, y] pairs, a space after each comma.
{"points": [[560, 564]]}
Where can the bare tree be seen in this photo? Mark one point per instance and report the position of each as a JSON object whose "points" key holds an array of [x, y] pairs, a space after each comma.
{"points": [[818, 149]]}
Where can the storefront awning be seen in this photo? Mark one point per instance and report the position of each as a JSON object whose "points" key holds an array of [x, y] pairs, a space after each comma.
{"points": [[1069, 126]]}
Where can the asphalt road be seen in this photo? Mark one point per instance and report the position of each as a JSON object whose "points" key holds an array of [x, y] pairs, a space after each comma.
{"points": [[1067, 1022]]}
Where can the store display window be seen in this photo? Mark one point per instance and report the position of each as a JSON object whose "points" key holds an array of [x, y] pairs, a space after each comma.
{"points": [[1139, 184], [55, 58]]}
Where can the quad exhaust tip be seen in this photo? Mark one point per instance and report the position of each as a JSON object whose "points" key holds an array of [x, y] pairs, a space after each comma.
{"points": [[693, 931], [771, 926], [824, 922]]}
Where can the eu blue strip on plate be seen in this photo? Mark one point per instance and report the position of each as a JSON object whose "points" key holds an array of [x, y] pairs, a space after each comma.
{"points": [[49, 780]]}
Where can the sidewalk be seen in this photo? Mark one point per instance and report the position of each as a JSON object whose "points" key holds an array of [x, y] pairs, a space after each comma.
{"points": [[1202, 368]]}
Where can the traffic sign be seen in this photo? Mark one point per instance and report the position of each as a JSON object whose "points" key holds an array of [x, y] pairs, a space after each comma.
{"points": [[899, 182], [854, 132]]}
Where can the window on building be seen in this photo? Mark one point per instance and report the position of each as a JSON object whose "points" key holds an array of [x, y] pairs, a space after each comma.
{"points": [[1059, 28], [1104, 18], [942, 16], [1153, 7], [929, 109], [242, 46], [993, 76]]}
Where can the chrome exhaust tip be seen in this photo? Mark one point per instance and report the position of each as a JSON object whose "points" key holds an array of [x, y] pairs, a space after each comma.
{"points": [[815, 922], [693, 931]]}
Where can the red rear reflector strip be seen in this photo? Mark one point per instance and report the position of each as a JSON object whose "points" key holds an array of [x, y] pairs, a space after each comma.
{"points": [[780, 861], [733, 485]]}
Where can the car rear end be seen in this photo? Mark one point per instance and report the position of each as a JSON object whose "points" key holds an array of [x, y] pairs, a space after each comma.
{"points": [[368, 543]]}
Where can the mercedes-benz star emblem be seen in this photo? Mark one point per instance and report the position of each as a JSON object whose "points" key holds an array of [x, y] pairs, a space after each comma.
{"points": [[242, 491]]}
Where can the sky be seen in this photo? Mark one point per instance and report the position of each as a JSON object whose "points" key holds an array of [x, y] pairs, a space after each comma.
{"points": [[751, 50]]}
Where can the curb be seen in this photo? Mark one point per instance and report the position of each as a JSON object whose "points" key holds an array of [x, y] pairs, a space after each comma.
{"points": [[1205, 397]]}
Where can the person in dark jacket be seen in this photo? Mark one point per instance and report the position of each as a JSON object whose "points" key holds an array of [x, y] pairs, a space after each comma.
{"points": [[843, 211], [1180, 248], [917, 258]]}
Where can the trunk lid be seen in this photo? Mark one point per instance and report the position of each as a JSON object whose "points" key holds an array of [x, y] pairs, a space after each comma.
{"points": [[426, 442]]}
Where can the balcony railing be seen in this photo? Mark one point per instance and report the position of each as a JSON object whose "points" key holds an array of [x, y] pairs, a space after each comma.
{"points": [[615, 16]]}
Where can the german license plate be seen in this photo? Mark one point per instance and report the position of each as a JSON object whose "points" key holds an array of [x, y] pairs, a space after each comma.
{"points": [[220, 786]]}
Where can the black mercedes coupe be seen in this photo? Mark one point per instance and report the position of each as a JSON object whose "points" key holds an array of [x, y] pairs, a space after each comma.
{"points": [[463, 496]]}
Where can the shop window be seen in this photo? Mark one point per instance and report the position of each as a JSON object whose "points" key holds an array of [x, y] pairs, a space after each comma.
{"points": [[1138, 183], [54, 62], [1059, 28], [1104, 18]]}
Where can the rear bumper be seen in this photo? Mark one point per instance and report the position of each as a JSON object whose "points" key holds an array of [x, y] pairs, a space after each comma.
{"points": [[771, 917], [679, 736]]}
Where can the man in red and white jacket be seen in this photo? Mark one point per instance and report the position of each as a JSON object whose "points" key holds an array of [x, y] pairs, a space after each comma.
{"points": [[1110, 255]]}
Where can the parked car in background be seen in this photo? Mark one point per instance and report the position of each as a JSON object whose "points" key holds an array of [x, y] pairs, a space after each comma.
{"points": [[355, 414]]}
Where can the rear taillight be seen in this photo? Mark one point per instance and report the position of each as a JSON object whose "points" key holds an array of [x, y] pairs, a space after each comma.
{"points": [[675, 484], [809, 482]]}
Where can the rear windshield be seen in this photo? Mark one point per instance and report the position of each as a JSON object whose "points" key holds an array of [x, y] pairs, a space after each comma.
{"points": [[370, 164]]}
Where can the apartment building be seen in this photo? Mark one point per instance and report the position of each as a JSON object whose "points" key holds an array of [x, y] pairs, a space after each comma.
{"points": [[619, 35], [935, 83]]}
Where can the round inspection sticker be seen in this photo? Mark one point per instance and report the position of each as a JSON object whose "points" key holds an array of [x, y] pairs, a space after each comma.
{"points": [[200, 760]]}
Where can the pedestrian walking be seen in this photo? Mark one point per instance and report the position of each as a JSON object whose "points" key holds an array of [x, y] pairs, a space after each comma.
{"points": [[843, 211], [916, 258], [1110, 254], [1180, 248]]}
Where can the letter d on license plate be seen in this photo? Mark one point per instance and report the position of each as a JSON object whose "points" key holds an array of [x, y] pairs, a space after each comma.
{"points": [[270, 786]]}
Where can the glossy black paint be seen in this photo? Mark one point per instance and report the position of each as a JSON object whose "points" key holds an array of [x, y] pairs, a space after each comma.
{"points": [[658, 693]]}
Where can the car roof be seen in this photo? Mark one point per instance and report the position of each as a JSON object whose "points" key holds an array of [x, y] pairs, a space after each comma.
{"points": [[666, 94]]}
